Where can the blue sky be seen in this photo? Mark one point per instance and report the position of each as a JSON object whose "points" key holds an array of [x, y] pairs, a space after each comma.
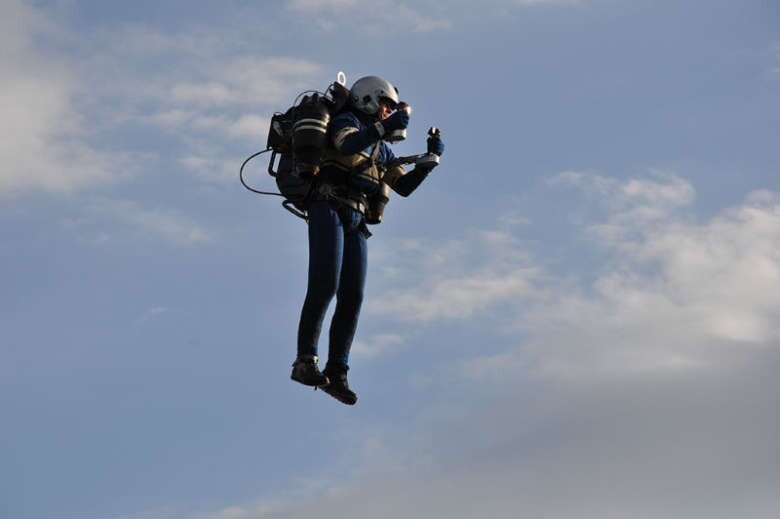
{"points": [[576, 315]]}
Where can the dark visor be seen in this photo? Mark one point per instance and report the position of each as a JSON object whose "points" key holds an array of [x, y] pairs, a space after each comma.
{"points": [[389, 102]]}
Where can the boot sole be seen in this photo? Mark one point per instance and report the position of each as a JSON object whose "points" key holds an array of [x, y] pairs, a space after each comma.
{"points": [[305, 383], [344, 400]]}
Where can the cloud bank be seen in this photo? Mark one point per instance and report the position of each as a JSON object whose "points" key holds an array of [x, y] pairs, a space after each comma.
{"points": [[45, 145], [646, 391]]}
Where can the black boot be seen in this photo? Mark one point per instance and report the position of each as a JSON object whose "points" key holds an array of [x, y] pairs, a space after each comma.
{"points": [[339, 387], [306, 372]]}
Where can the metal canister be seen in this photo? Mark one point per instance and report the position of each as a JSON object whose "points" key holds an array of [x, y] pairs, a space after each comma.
{"points": [[310, 134], [376, 204]]}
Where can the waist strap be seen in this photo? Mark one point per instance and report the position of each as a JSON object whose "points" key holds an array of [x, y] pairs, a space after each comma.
{"points": [[342, 195]]}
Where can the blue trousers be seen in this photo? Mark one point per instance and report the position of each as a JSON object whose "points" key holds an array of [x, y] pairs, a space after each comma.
{"points": [[337, 267]]}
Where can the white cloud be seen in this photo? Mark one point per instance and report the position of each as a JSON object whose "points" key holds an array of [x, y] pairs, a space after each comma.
{"points": [[250, 127], [134, 42], [45, 145], [674, 295], [245, 81], [125, 216], [151, 314], [670, 289], [210, 112], [514, 219], [650, 391], [458, 297], [446, 283], [662, 191], [219, 170], [306, 5], [369, 16], [775, 52], [211, 98], [166, 224], [634, 204], [253, 127], [377, 345], [406, 16], [159, 513], [546, 2], [207, 94], [373, 17], [676, 448]]}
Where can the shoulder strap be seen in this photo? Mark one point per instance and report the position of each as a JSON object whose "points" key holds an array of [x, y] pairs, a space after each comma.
{"points": [[375, 152]]}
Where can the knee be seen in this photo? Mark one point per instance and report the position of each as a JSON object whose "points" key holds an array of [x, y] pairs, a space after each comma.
{"points": [[323, 288], [350, 296]]}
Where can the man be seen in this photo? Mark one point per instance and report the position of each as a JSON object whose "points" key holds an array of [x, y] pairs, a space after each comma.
{"points": [[352, 187]]}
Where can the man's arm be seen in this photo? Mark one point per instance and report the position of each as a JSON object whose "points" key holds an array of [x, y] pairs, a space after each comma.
{"points": [[405, 183], [349, 138]]}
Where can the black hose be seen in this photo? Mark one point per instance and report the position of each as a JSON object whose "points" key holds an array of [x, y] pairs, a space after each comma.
{"points": [[287, 204], [241, 175]]}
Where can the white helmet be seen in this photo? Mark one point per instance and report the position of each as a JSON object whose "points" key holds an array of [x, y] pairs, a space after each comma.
{"points": [[367, 91]]}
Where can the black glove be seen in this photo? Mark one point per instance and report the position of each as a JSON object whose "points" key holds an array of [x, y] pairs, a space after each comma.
{"points": [[395, 121], [435, 145]]}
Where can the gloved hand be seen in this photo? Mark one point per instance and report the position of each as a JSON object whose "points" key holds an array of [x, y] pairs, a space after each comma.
{"points": [[435, 144], [395, 121]]}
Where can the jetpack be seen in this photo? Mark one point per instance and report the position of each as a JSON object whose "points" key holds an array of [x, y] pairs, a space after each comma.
{"points": [[297, 139]]}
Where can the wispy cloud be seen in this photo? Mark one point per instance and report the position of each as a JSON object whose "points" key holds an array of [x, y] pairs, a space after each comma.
{"points": [[633, 205], [109, 220], [645, 392], [213, 98], [151, 314], [377, 345], [213, 102], [373, 17], [774, 69], [306, 5], [453, 280], [211, 168], [697, 285], [219, 104], [674, 294], [546, 2], [245, 81], [369, 16], [45, 145]]}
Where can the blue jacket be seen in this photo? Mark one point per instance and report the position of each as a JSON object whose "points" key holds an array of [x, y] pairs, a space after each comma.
{"points": [[351, 133]]}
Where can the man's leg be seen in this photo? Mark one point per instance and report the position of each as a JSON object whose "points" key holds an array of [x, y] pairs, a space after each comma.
{"points": [[349, 299], [352, 281], [326, 239]]}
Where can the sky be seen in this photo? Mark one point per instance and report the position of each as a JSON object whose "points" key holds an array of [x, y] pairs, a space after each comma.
{"points": [[576, 315]]}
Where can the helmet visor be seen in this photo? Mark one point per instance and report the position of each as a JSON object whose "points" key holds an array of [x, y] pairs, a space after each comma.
{"points": [[389, 102]]}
